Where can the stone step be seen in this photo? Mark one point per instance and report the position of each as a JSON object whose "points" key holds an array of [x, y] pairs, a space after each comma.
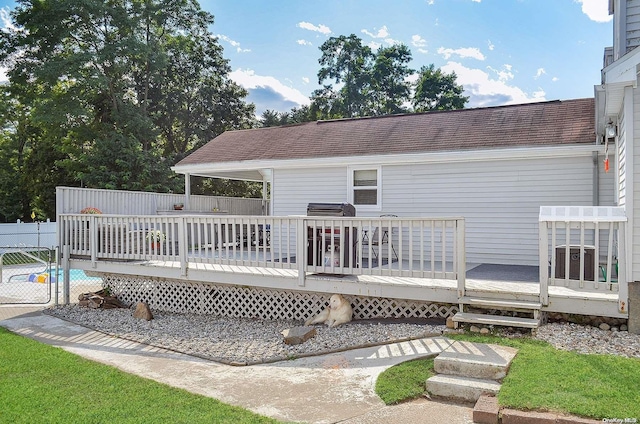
{"points": [[495, 320], [476, 360], [483, 302], [459, 388]]}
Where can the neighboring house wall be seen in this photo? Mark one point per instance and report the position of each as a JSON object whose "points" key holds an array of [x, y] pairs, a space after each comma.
{"points": [[499, 199], [626, 26]]}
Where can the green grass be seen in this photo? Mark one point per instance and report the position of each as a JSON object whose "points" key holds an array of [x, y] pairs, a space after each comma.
{"points": [[404, 381], [44, 384], [544, 378]]}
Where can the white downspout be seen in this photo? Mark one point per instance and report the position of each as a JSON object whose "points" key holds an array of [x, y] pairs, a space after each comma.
{"points": [[187, 191]]}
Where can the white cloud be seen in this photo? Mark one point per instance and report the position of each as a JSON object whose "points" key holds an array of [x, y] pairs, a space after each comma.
{"points": [[418, 41], [323, 29], [249, 80], [505, 74], [464, 52], [304, 42], [382, 32], [555, 79], [490, 45], [373, 45], [305, 80], [424, 51], [596, 10], [486, 91], [3, 74], [5, 20], [540, 72], [233, 43]]}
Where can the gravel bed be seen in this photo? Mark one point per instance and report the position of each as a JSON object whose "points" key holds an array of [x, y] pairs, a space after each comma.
{"points": [[587, 339], [239, 341]]}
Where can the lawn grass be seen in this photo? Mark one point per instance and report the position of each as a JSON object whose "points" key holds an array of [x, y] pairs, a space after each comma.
{"points": [[544, 378], [44, 384], [404, 381]]}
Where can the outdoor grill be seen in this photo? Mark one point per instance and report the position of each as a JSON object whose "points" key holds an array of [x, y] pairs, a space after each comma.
{"points": [[322, 239], [330, 209]]}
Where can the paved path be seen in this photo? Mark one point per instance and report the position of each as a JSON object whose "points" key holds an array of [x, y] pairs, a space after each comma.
{"points": [[330, 388]]}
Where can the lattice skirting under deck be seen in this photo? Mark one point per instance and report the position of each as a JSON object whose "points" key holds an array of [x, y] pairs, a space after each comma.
{"points": [[254, 302]]}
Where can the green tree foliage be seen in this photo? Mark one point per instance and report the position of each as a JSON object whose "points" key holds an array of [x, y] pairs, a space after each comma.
{"points": [[435, 90], [357, 82], [111, 94], [297, 115]]}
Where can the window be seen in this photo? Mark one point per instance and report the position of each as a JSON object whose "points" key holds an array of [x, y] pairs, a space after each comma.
{"points": [[365, 188]]}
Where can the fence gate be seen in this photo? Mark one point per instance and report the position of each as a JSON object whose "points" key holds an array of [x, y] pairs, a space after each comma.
{"points": [[28, 275]]}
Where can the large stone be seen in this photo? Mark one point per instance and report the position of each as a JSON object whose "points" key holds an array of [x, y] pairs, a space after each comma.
{"points": [[143, 312], [634, 307], [298, 335]]}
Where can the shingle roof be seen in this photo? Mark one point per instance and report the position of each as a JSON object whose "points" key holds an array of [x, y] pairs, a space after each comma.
{"points": [[534, 124]]}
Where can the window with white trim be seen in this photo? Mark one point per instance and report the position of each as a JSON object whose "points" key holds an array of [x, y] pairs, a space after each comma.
{"points": [[364, 188]]}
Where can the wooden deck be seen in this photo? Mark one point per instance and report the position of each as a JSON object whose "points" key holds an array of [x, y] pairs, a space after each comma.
{"points": [[496, 281]]}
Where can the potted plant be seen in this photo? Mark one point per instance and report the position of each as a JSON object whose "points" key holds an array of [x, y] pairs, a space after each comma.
{"points": [[178, 206], [155, 237]]}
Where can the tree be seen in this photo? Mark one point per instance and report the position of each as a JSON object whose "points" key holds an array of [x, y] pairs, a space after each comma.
{"points": [[118, 91], [346, 61], [435, 90], [391, 90]]}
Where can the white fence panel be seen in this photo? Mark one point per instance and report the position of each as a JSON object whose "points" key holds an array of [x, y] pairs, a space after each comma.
{"points": [[41, 234]]}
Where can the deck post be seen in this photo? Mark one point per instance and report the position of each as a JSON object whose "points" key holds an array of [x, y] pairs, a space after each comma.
{"points": [[461, 256], [93, 239], [301, 245], [623, 285], [543, 246], [182, 246]]}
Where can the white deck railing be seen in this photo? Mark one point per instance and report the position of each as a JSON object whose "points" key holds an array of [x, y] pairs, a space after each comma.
{"points": [[583, 248], [391, 246]]}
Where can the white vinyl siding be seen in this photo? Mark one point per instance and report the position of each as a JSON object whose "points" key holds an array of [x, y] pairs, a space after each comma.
{"points": [[293, 190], [500, 200]]}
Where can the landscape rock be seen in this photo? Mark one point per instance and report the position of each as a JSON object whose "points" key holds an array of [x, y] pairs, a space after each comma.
{"points": [[450, 323], [604, 326], [484, 330], [474, 329], [143, 312], [298, 335], [623, 327]]}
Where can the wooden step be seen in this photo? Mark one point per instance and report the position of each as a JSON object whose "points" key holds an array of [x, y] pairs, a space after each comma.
{"points": [[484, 302], [495, 320]]}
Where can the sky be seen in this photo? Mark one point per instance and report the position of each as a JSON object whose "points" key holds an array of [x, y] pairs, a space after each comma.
{"points": [[502, 51]]}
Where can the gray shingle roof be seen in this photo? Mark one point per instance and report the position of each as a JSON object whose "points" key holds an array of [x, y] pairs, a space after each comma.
{"points": [[534, 124]]}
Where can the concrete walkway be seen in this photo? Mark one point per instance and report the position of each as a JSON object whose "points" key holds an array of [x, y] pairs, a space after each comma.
{"points": [[330, 388]]}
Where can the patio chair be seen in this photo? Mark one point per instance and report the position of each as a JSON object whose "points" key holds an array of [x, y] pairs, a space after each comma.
{"points": [[380, 238]]}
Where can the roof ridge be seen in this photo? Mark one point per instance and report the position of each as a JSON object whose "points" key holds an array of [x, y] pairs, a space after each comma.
{"points": [[324, 121]]}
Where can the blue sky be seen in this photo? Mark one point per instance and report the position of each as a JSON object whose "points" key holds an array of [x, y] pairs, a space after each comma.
{"points": [[503, 51]]}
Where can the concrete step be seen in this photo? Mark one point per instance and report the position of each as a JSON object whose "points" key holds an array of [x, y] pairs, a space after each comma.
{"points": [[495, 320], [483, 302], [476, 360], [464, 389]]}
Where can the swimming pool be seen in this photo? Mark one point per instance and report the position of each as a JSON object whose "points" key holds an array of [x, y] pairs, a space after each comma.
{"points": [[45, 276]]}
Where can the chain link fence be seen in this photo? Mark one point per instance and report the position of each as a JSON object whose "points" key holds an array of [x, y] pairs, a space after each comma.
{"points": [[29, 267]]}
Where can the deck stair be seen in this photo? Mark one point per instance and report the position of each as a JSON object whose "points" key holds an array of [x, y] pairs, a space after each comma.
{"points": [[484, 306], [466, 370]]}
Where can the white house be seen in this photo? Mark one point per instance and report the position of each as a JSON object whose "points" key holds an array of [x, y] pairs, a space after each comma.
{"points": [[493, 166]]}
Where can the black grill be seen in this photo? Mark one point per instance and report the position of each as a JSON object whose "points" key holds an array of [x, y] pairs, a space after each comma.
{"points": [[330, 209]]}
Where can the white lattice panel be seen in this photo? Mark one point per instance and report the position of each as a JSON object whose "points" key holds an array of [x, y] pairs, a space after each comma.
{"points": [[251, 302]]}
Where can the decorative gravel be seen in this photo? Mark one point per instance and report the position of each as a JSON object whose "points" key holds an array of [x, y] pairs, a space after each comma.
{"points": [[239, 341], [587, 339]]}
